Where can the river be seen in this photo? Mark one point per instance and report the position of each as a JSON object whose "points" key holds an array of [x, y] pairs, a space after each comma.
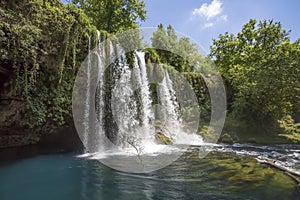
{"points": [[227, 172]]}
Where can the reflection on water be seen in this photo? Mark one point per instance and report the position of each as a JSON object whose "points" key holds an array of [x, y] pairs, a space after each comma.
{"points": [[220, 175]]}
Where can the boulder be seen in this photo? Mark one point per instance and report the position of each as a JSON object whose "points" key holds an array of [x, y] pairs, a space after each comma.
{"points": [[161, 138]]}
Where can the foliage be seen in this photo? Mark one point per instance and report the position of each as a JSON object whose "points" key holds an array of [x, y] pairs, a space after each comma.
{"points": [[290, 128], [113, 16], [199, 86], [263, 68], [43, 44], [180, 53], [152, 56], [130, 41], [166, 41]]}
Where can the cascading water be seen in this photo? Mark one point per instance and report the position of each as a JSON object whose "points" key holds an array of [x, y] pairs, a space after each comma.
{"points": [[101, 54], [131, 104], [87, 101], [169, 108], [124, 107], [146, 114], [124, 103]]}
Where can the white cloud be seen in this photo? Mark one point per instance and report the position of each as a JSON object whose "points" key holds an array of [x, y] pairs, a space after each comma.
{"points": [[223, 18], [209, 10], [208, 25], [211, 13]]}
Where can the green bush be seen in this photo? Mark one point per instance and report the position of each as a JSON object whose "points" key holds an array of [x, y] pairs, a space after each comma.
{"points": [[43, 43]]}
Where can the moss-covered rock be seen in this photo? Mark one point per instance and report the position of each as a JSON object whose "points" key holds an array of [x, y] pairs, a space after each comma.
{"points": [[227, 138], [161, 138]]}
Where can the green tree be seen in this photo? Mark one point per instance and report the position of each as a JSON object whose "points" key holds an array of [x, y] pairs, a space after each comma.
{"points": [[160, 38], [42, 46], [172, 37], [113, 16], [184, 55], [262, 66]]}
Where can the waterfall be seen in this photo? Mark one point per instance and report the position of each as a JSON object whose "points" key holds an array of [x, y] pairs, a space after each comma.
{"points": [[126, 116], [124, 107], [167, 96], [100, 91], [101, 54], [169, 109], [131, 103], [87, 101], [147, 116]]}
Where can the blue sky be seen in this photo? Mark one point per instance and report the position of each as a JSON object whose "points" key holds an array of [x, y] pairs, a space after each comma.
{"points": [[204, 20]]}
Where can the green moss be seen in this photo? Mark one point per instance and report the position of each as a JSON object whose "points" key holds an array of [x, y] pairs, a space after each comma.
{"points": [[246, 170], [245, 178], [208, 134], [152, 55]]}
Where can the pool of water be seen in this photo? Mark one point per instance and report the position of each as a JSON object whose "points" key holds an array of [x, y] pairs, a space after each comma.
{"points": [[227, 172]]}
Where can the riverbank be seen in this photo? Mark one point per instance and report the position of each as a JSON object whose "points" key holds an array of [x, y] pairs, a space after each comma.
{"points": [[236, 131]]}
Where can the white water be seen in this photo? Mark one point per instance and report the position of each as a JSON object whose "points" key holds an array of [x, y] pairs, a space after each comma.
{"points": [[141, 83], [87, 102], [284, 155], [131, 107], [124, 107], [101, 54], [169, 113]]}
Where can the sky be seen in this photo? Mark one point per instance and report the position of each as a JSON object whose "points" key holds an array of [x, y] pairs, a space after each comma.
{"points": [[204, 20]]}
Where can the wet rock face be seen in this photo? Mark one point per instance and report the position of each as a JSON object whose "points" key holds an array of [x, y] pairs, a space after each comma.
{"points": [[16, 143], [161, 138]]}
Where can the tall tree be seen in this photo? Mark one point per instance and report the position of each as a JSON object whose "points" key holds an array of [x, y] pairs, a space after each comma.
{"points": [[182, 54], [172, 37], [160, 38], [263, 67], [43, 43], [113, 16]]}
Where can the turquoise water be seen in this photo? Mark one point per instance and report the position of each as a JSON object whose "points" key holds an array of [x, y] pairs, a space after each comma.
{"points": [[220, 175]]}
